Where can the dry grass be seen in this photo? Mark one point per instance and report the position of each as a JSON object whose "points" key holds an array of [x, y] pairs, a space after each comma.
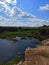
{"points": [[37, 56]]}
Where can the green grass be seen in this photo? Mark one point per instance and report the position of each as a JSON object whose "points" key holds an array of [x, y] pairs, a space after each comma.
{"points": [[27, 32], [14, 61]]}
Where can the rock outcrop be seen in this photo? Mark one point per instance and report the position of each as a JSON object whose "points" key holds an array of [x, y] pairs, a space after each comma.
{"points": [[37, 56], [45, 42]]}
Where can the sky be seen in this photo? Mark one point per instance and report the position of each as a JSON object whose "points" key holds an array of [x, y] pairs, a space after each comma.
{"points": [[31, 13]]}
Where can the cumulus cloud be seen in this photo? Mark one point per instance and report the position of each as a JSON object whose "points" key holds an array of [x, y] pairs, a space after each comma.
{"points": [[4, 7], [10, 22], [13, 2], [18, 13], [29, 22], [15, 13], [13, 22], [46, 7], [9, 1], [40, 22]]}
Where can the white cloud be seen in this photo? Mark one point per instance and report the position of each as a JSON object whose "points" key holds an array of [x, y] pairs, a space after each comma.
{"points": [[46, 7], [4, 7], [9, 1], [38, 22], [13, 22], [13, 2], [29, 22], [10, 22], [15, 13]]}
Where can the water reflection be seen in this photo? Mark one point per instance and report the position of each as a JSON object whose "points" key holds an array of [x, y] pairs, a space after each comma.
{"points": [[9, 49]]}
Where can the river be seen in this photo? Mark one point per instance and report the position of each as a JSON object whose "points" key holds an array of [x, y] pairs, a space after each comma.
{"points": [[9, 49]]}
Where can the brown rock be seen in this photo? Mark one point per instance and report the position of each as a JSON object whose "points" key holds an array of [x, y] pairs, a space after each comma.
{"points": [[37, 56]]}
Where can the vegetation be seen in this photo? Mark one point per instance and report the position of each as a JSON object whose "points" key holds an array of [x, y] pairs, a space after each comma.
{"points": [[13, 61], [40, 33], [10, 33]]}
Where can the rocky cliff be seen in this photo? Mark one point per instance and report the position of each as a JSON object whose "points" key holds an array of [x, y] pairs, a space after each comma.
{"points": [[37, 56]]}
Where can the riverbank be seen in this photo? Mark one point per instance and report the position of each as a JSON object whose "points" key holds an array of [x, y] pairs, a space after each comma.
{"points": [[13, 61], [24, 35], [40, 33]]}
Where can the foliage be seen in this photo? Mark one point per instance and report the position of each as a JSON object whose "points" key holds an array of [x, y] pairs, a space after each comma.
{"points": [[13, 61], [39, 32]]}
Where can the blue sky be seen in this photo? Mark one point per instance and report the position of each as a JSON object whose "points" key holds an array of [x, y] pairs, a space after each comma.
{"points": [[32, 6], [24, 12]]}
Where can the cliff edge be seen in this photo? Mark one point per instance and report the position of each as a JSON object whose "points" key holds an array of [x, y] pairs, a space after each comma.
{"points": [[37, 56]]}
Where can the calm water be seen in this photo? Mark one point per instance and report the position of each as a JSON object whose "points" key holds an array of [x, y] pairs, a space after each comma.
{"points": [[9, 49]]}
